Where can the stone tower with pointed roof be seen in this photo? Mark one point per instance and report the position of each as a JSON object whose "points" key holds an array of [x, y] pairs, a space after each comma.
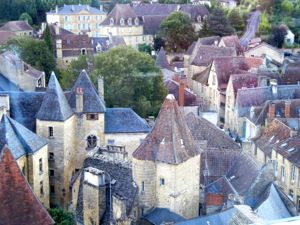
{"points": [[166, 166]]}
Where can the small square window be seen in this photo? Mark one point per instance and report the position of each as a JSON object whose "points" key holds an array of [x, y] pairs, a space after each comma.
{"points": [[40, 165], [51, 156], [162, 181], [51, 173], [50, 131], [41, 188], [92, 116]]}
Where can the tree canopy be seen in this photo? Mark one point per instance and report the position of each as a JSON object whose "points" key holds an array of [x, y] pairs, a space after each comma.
{"points": [[61, 217], [264, 26], [236, 20], [131, 80], [278, 35], [219, 24], [26, 16], [178, 31]]}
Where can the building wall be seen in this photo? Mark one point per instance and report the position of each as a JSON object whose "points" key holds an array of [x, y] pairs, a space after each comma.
{"points": [[130, 140], [24, 33], [229, 107], [259, 155], [265, 50]]}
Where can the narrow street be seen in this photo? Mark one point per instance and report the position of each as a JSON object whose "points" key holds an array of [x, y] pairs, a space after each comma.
{"points": [[252, 26]]}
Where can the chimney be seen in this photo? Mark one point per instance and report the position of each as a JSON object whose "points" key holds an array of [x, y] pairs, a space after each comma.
{"points": [[181, 92], [57, 31], [178, 8], [56, 8], [273, 83], [271, 114], [101, 87], [101, 8], [287, 109], [110, 38], [58, 49], [94, 196], [79, 100]]}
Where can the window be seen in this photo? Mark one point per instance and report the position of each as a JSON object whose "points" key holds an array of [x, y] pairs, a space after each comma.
{"points": [[255, 151], [143, 186], [78, 18], [122, 22], [276, 168], [41, 188], [282, 173], [50, 131], [110, 141], [162, 181], [51, 156], [293, 173], [83, 51], [92, 116], [291, 194], [79, 26], [129, 21], [111, 22], [51, 173], [91, 141], [41, 165], [66, 18], [136, 21], [52, 189], [23, 170]]}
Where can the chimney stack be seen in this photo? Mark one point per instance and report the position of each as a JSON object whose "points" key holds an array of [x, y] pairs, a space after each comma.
{"points": [[287, 109], [181, 92], [101, 87], [271, 114], [56, 8], [94, 196], [79, 100], [101, 7], [273, 83]]}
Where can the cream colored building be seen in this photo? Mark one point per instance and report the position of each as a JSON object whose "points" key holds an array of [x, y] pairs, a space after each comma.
{"points": [[19, 28], [78, 19]]}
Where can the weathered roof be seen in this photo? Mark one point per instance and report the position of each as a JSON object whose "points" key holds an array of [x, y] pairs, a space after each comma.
{"points": [[124, 120], [92, 102], [7, 85], [190, 49], [152, 23], [213, 41], [55, 106], [160, 216], [170, 140], [154, 9], [18, 204], [291, 74], [233, 41], [123, 188], [161, 60], [194, 11], [5, 36], [18, 138], [15, 26], [244, 80], [74, 9], [203, 130]]}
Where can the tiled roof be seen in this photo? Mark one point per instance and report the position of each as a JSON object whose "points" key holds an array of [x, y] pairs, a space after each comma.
{"points": [[124, 120], [15, 26], [75, 9], [92, 103], [194, 11], [246, 80], [170, 140], [7, 85], [5, 36], [154, 9], [161, 60], [124, 187], [190, 49], [233, 41], [160, 216], [152, 23], [203, 130], [55, 106], [18, 138], [291, 74], [213, 41], [18, 204]]}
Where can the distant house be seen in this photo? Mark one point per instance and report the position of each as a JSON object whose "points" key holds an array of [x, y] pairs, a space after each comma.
{"points": [[5, 36], [289, 37], [20, 28], [231, 41]]}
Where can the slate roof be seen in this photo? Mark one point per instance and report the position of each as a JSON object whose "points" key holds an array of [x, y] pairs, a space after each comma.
{"points": [[161, 60], [154, 9], [160, 216], [5, 36], [245, 80], [190, 49], [73, 9], [55, 106], [124, 120], [124, 186], [92, 103], [203, 130], [152, 23], [16, 26], [194, 11], [7, 85], [18, 204], [233, 41], [170, 140], [18, 138], [213, 41], [291, 74]]}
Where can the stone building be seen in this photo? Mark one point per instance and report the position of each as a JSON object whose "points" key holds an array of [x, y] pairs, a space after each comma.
{"points": [[18, 203], [21, 74], [19, 28], [77, 19], [31, 154], [161, 162]]}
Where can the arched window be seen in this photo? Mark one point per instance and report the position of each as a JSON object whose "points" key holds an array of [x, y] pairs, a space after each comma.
{"points": [[122, 22], [129, 21], [91, 141], [136, 21], [111, 21]]}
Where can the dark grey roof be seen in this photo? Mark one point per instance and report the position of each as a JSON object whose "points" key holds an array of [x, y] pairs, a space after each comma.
{"points": [[19, 139], [124, 120], [152, 23], [154, 9], [160, 216], [55, 106], [92, 103], [18, 25], [72, 9], [161, 60], [124, 186], [7, 85]]}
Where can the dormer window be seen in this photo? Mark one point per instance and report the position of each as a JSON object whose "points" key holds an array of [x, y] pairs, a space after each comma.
{"points": [[129, 21], [122, 22], [136, 21], [111, 21]]}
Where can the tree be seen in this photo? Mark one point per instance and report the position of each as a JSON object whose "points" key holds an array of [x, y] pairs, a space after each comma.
{"points": [[236, 20], [26, 16], [219, 24], [266, 4], [264, 26], [204, 32], [158, 43], [61, 217], [131, 79], [278, 35], [145, 48], [178, 31], [47, 38], [287, 7]]}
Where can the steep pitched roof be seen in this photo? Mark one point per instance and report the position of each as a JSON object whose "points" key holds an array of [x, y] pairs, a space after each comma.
{"points": [[18, 204], [291, 74], [162, 216], [124, 120], [203, 130], [5, 36], [18, 138], [92, 103], [154, 9], [245, 80], [233, 41], [194, 11], [16, 26], [170, 140], [72, 9], [152, 23], [213, 40], [161, 59], [7, 85], [55, 106]]}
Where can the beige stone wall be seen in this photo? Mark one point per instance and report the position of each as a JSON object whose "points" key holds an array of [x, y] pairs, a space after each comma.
{"points": [[130, 140], [264, 50], [121, 30], [75, 190], [259, 155], [145, 171], [181, 192], [119, 208]]}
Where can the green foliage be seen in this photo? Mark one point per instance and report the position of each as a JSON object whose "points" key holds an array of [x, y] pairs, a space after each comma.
{"points": [[145, 48], [287, 7], [266, 4], [34, 52], [278, 34], [131, 80], [264, 26], [61, 217], [236, 20], [204, 32], [47, 38], [178, 31], [26, 16], [158, 43], [219, 24]]}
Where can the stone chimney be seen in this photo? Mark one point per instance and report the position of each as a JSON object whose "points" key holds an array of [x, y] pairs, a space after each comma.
{"points": [[271, 113], [56, 9], [101, 7], [101, 87], [4, 105], [93, 196], [79, 100], [182, 85], [273, 83], [287, 109]]}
